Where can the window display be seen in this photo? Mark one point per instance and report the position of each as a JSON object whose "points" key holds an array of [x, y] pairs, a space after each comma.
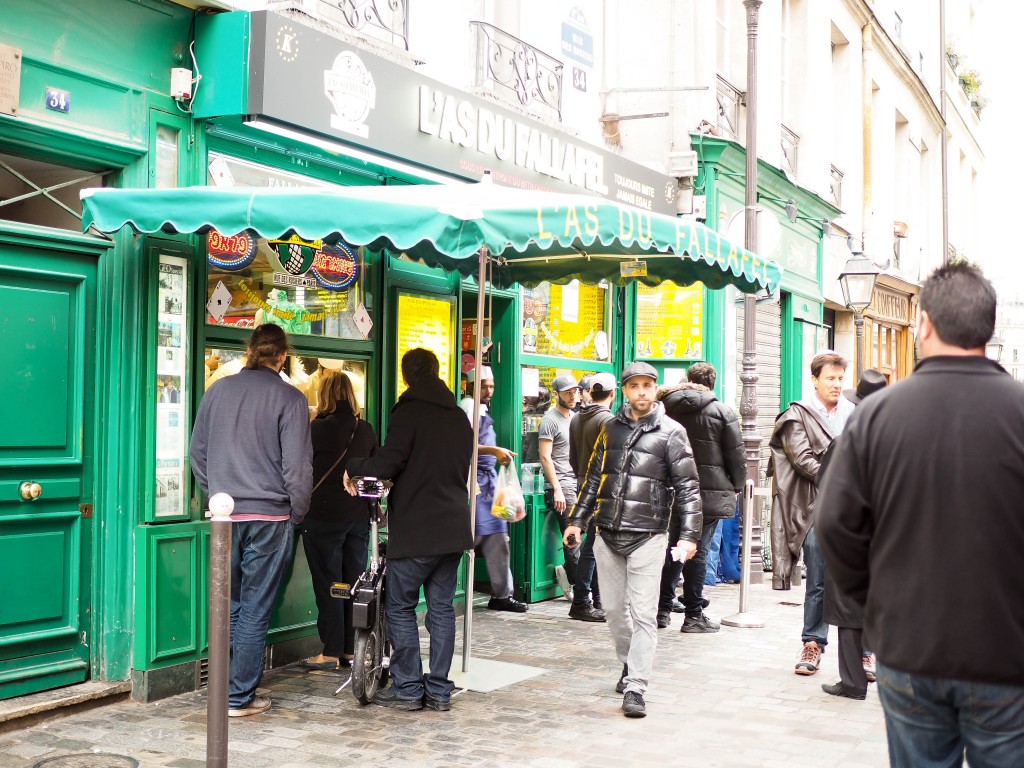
{"points": [[427, 322], [669, 321], [171, 395], [568, 320]]}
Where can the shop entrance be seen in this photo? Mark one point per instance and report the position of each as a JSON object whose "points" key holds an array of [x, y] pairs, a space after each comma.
{"points": [[47, 454]]}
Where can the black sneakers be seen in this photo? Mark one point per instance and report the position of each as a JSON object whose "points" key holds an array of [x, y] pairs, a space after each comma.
{"points": [[621, 685], [633, 705], [699, 624], [585, 612], [664, 619], [506, 604], [388, 698]]}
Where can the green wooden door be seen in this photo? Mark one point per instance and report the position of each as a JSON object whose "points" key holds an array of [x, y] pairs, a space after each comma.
{"points": [[47, 331]]}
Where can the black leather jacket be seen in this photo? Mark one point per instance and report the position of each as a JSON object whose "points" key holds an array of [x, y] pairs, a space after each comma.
{"points": [[642, 475]]}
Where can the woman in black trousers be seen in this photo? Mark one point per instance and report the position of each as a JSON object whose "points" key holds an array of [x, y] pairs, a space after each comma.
{"points": [[336, 532]]}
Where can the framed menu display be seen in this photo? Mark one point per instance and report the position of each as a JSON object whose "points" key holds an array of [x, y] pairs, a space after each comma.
{"points": [[669, 321], [171, 387], [428, 322]]}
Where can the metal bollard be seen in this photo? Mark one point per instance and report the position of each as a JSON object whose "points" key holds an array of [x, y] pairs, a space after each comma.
{"points": [[221, 506], [744, 619]]}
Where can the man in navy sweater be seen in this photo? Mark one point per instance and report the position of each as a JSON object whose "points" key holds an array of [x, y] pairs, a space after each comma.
{"points": [[251, 441]]}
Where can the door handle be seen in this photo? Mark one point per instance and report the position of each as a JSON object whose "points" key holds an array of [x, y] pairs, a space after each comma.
{"points": [[30, 491]]}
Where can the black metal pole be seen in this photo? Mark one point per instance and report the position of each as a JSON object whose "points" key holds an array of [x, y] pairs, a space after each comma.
{"points": [[858, 322], [219, 633], [748, 375]]}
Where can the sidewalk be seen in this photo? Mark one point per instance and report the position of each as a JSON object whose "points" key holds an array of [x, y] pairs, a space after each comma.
{"points": [[722, 700]]}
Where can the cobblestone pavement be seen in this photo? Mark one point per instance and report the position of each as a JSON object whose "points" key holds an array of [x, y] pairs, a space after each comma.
{"points": [[720, 700]]}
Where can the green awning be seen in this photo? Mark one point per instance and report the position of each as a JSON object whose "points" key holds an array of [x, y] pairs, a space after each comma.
{"points": [[532, 236]]}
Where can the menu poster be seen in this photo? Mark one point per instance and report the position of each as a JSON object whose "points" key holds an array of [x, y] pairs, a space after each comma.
{"points": [[669, 321], [565, 320], [170, 387], [427, 322]]}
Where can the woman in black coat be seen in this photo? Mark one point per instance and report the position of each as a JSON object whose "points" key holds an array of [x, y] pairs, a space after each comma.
{"points": [[336, 532]]}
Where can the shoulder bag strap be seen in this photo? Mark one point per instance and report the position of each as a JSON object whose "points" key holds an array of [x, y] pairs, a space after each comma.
{"points": [[334, 466]]}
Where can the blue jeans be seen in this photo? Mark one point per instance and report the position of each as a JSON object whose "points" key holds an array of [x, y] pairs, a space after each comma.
{"points": [[586, 583], [931, 721], [729, 556], [815, 627], [437, 575], [714, 550], [260, 554]]}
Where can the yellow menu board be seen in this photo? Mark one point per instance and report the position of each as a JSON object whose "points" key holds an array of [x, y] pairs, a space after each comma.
{"points": [[566, 320], [669, 321], [428, 322]]}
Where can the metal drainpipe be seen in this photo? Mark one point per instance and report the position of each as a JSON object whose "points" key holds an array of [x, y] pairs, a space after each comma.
{"points": [[945, 143], [867, 214]]}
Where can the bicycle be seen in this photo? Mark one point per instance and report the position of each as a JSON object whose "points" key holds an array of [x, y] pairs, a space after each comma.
{"points": [[372, 651]]}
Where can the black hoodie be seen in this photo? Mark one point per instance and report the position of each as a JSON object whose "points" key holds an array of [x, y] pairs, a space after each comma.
{"points": [[583, 432], [717, 445], [427, 453]]}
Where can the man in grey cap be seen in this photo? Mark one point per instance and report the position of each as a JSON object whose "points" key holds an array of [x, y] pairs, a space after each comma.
{"points": [[641, 481], [553, 445]]}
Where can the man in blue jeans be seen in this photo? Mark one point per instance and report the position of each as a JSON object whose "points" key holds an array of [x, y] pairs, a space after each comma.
{"points": [[921, 524], [251, 441], [427, 453], [802, 434]]}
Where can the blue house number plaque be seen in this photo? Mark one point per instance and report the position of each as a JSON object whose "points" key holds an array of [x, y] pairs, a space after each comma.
{"points": [[58, 100]]}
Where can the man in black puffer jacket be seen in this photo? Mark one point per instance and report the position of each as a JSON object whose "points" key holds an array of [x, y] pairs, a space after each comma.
{"points": [[714, 433], [641, 479]]}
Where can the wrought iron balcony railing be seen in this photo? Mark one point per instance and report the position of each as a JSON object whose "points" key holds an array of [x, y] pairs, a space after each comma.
{"points": [[515, 70], [386, 21], [790, 145], [730, 99]]}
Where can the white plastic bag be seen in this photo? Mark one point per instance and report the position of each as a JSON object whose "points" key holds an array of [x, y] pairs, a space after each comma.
{"points": [[508, 504]]}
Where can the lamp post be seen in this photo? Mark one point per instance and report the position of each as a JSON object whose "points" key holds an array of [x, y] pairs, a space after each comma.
{"points": [[994, 348], [748, 374], [858, 283]]}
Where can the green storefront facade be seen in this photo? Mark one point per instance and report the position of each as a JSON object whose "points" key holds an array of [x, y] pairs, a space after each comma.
{"points": [[106, 570]]}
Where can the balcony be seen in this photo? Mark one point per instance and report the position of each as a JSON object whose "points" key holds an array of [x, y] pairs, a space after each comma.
{"points": [[386, 21], [730, 99], [515, 71], [790, 145]]}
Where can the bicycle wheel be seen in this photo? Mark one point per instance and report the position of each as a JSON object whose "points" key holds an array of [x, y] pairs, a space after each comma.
{"points": [[366, 665]]}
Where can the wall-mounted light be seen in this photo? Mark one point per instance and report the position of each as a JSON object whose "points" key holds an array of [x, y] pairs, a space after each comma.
{"points": [[789, 205], [994, 348]]}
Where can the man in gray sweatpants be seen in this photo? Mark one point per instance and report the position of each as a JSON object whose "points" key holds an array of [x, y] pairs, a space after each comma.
{"points": [[641, 478]]}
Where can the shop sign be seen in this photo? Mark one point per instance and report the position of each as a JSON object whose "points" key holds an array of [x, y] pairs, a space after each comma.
{"points": [[10, 79], [371, 102], [891, 306], [230, 252], [335, 267]]}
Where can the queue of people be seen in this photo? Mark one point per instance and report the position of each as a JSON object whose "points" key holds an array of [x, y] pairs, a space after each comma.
{"points": [[896, 537]]}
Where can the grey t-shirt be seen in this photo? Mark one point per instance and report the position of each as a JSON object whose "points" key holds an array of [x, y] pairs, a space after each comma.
{"points": [[555, 427]]}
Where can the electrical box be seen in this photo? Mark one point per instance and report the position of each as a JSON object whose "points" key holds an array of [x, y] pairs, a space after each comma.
{"points": [[181, 83], [682, 164]]}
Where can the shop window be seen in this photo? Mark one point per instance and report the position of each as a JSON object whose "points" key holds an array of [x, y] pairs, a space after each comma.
{"points": [[537, 400], [568, 320], [43, 194], [306, 287], [670, 321], [303, 372], [171, 387]]}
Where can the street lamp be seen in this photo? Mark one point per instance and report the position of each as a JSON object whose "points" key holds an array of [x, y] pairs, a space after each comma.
{"points": [[994, 348], [858, 283]]}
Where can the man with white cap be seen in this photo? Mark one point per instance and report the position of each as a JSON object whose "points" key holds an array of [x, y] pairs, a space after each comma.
{"points": [[641, 481], [491, 532], [553, 445]]}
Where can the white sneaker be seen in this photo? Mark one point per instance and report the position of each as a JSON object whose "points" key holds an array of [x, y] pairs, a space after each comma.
{"points": [[563, 582], [257, 706]]}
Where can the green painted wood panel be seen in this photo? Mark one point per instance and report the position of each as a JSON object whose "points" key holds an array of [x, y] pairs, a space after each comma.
{"points": [[173, 601]]}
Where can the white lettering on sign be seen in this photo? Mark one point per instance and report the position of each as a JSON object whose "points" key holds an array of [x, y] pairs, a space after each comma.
{"points": [[450, 119]]}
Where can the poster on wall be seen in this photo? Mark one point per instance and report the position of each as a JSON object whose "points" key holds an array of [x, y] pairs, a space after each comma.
{"points": [[428, 322], [669, 321], [170, 387]]}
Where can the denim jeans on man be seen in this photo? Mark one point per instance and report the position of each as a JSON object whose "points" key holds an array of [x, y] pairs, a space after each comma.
{"points": [[630, 587], [931, 722], [815, 627], [260, 553], [713, 569], [693, 572], [571, 556], [586, 586], [436, 574]]}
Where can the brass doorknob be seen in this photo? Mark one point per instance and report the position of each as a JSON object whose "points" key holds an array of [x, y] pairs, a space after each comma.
{"points": [[30, 491]]}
